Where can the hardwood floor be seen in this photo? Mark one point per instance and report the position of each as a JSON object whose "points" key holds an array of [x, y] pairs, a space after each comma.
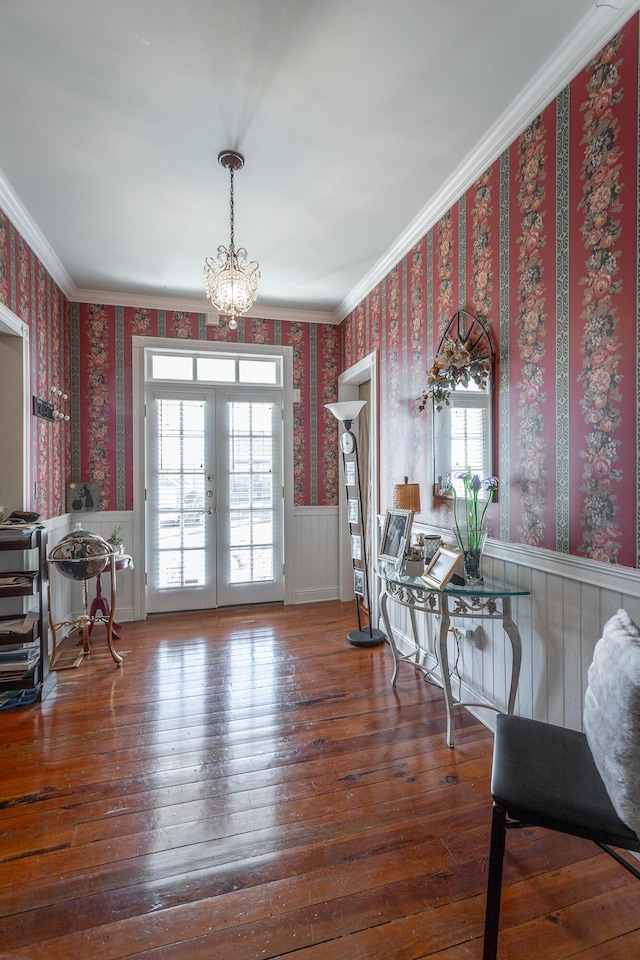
{"points": [[249, 786]]}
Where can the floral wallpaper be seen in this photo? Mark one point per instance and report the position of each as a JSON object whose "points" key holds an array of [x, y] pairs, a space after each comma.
{"points": [[544, 246], [103, 393], [28, 290], [602, 283]]}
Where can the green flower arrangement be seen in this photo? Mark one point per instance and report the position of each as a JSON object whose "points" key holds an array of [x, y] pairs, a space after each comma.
{"points": [[475, 512]]}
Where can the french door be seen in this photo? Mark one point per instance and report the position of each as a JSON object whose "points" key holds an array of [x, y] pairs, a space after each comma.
{"points": [[214, 505]]}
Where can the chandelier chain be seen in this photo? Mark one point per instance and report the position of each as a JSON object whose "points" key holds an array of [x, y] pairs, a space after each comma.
{"points": [[232, 246]]}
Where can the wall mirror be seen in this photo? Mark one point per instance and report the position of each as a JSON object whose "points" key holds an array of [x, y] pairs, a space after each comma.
{"points": [[460, 386]]}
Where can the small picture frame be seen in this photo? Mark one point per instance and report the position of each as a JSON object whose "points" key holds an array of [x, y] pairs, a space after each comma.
{"points": [[350, 473], [83, 497], [358, 582], [353, 512], [356, 546], [397, 527], [442, 567]]}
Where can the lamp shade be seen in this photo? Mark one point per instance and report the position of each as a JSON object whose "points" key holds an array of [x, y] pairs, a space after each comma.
{"points": [[406, 496], [346, 410]]}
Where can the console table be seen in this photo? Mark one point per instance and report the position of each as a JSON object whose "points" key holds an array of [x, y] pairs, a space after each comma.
{"points": [[489, 601]]}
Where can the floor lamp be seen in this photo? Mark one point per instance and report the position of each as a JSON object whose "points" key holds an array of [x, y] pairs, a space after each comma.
{"points": [[346, 412]]}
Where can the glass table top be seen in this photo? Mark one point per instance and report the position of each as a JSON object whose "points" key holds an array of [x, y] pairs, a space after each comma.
{"points": [[488, 588]]}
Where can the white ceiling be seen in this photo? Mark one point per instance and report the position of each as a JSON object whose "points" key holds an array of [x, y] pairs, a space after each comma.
{"points": [[360, 120]]}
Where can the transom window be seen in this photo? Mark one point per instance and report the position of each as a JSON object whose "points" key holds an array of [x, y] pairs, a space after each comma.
{"points": [[213, 368]]}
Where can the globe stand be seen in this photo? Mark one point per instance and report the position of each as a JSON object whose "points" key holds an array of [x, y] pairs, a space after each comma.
{"points": [[84, 622]]}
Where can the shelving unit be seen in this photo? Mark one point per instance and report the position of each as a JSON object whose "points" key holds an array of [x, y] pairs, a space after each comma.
{"points": [[27, 578]]}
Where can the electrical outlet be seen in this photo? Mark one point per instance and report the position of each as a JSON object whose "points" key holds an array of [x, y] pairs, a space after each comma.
{"points": [[473, 635]]}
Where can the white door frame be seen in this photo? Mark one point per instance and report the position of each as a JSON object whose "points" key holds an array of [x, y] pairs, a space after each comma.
{"points": [[19, 425], [348, 382], [139, 345]]}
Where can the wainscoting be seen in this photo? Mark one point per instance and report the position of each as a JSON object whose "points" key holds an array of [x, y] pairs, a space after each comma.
{"points": [[315, 562], [560, 623]]}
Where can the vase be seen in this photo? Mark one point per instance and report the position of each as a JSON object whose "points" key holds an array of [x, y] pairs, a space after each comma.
{"points": [[472, 560], [473, 566]]}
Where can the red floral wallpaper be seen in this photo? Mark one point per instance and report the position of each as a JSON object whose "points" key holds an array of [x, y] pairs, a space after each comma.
{"points": [[27, 289], [543, 245], [103, 337]]}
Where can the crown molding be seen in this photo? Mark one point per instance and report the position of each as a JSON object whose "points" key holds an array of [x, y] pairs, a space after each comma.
{"points": [[593, 31], [186, 305], [29, 230]]}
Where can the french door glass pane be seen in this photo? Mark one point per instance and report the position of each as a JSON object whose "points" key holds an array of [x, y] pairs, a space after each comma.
{"points": [[251, 493], [181, 494]]}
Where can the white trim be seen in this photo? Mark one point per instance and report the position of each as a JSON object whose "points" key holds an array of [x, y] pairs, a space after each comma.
{"points": [[603, 576], [11, 325], [138, 347], [191, 305], [589, 36], [593, 31], [29, 230]]}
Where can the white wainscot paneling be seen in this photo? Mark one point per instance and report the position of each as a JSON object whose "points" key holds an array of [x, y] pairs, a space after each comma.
{"points": [[314, 564], [60, 588], [560, 622]]}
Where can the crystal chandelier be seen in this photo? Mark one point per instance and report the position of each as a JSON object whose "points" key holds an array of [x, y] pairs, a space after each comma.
{"points": [[230, 277]]}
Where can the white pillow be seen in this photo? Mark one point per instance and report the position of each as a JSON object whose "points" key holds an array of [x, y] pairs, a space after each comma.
{"points": [[612, 715]]}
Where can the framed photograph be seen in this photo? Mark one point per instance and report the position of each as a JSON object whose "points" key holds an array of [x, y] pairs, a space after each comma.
{"points": [[352, 511], [442, 567], [358, 582], [350, 473], [83, 497], [356, 546], [397, 527]]}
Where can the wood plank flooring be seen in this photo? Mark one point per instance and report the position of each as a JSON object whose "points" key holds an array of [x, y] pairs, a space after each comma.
{"points": [[249, 786]]}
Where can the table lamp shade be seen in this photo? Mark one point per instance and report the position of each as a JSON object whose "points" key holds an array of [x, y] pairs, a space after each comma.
{"points": [[406, 496]]}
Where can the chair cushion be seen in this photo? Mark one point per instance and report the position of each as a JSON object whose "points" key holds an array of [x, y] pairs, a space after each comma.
{"points": [[545, 775], [612, 715]]}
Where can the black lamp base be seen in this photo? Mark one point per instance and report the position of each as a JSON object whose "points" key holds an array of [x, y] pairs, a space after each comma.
{"points": [[364, 638]]}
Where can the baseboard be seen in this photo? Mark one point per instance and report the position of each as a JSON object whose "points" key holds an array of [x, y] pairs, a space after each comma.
{"points": [[308, 595]]}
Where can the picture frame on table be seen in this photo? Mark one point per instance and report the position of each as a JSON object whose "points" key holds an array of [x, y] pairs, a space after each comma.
{"points": [[397, 527], [442, 567]]}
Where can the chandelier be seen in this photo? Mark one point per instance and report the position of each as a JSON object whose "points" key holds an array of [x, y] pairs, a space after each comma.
{"points": [[231, 279]]}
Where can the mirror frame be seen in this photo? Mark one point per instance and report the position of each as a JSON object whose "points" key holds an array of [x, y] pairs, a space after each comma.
{"points": [[474, 333]]}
